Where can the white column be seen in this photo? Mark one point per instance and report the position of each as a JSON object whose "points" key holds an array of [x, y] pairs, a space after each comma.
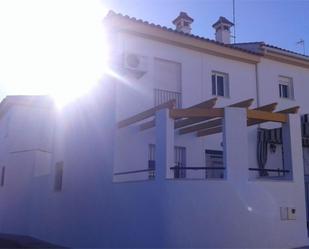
{"points": [[292, 147], [164, 144], [235, 143], [293, 160]]}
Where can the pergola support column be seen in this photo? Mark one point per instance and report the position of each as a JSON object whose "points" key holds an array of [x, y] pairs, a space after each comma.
{"points": [[235, 143], [164, 144], [292, 147]]}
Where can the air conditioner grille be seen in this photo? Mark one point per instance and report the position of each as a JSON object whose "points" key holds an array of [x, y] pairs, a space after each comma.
{"points": [[133, 60]]}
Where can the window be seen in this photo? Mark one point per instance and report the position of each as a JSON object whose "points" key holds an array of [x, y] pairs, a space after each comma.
{"points": [[286, 88], [2, 176], [180, 162], [220, 85], [167, 78], [270, 155], [58, 176], [151, 161], [214, 164]]}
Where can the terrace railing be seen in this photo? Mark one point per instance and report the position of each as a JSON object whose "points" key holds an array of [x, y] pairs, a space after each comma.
{"points": [[162, 96], [221, 171], [265, 172]]}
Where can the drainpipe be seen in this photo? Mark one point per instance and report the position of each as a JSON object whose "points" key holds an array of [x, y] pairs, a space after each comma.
{"points": [[257, 85]]}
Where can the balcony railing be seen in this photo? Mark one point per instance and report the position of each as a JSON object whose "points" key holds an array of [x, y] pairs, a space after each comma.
{"points": [[162, 96], [265, 172], [139, 174], [220, 170]]}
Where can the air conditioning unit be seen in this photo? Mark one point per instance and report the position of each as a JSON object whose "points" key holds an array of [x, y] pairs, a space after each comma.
{"points": [[135, 63]]}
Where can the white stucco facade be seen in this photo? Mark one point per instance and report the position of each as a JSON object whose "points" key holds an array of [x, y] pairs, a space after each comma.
{"points": [[95, 206]]}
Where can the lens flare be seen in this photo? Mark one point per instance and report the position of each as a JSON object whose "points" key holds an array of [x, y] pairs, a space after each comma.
{"points": [[52, 47]]}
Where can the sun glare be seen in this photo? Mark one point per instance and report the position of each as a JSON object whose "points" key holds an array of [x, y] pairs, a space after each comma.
{"points": [[54, 47]]}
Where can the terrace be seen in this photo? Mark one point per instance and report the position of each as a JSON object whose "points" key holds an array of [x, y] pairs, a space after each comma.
{"points": [[170, 127]]}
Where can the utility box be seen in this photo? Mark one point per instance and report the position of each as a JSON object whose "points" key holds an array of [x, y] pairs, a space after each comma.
{"points": [[287, 213], [291, 213]]}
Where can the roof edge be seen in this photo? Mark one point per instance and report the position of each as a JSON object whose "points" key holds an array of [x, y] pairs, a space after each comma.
{"points": [[165, 34], [137, 26]]}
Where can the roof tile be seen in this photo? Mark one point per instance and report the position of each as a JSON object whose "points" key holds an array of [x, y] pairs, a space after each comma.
{"points": [[112, 14]]}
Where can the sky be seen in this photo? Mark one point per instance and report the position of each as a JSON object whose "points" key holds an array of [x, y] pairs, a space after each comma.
{"points": [[57, 47], [278, 22]]}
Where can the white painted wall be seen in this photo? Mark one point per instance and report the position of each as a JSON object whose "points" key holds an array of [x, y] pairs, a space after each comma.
{"points": [[30, 128], [92, 211], [259, 199], [268, 74], [136, 95], [25, 152]]}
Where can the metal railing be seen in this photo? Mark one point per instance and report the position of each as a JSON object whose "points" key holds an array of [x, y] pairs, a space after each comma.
{"points": [[179, 168], [207, 169], [279, 171], [162, 96], [197, 168], [151, 170], [132, 172]]}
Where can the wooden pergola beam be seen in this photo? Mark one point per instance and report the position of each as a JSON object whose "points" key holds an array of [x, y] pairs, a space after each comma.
{"points": [[267, 108], [189, 121], [201, 126], [219, 112], [211, 131], [147, 125], [243, 104], [250, 122], [217, 122], [206, 104], [292, 110], [197, 113], [146, 114], [267, 116]]}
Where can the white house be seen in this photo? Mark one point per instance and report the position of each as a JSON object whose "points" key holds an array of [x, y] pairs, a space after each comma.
{"points": [[187, 142]]}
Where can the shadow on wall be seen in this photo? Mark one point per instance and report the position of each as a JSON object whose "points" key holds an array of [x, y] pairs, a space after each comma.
{"points": [[20, 241]]}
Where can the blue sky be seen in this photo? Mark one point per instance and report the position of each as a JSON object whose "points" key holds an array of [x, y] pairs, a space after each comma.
{"points": [[278, 22], [57, 46]]}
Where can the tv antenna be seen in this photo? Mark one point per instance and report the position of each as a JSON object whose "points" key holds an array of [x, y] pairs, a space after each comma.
{"points": [[301, 42], [234, 21]]}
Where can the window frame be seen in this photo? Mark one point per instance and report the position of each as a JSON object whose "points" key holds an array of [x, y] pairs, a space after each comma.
{"points": [[2, 179], [214, 84], [180, 160], [151, 161], [58, 176], [286, 81], [214, 157]]}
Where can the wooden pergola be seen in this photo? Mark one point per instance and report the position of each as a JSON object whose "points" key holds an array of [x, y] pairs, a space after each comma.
{"points": [[205, 119]]}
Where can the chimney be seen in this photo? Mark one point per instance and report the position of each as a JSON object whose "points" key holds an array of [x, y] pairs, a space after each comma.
{"points": [[223, 30], [183, 23]]}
